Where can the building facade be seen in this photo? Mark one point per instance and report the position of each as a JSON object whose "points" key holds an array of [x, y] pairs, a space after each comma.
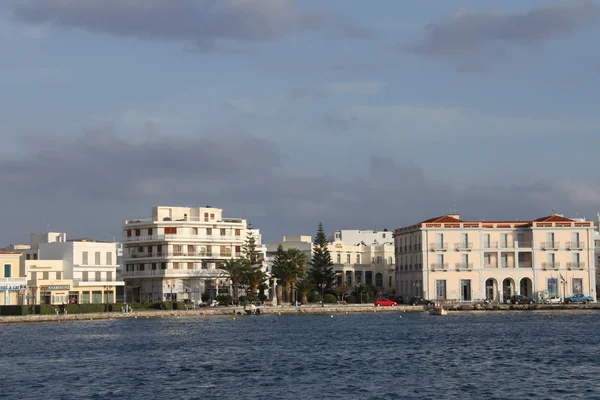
{"points": [[176, 254], [448, 258], [61, 271], [12, 282]]}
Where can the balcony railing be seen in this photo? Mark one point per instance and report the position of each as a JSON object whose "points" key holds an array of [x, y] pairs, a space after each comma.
{"points": [[576, 265], [185, 219], [436, 266], [523, 245], [549, 245], [524, 264], [175, 254], [438, 246], [463, 246], [178, 236], [550, 265], [575, 245], [175, 273], [464, 265], [506, 245], [490, 265]]}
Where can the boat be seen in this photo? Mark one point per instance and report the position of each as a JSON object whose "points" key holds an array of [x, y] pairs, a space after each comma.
{"points": [[438, 309], [253, 310]]}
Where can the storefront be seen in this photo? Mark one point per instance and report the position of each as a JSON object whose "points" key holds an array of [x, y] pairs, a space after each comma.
{"points": [[12, 293], [54, 294]]}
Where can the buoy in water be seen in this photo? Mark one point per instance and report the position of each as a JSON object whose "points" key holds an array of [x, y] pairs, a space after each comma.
{"points": [[234, 318], [549, 316]]}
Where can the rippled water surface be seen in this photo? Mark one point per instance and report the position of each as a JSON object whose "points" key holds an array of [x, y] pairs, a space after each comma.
{"points": [[350, 356]]}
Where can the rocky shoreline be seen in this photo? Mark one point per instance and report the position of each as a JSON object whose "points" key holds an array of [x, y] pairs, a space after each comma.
{"points": [[278, 310]]}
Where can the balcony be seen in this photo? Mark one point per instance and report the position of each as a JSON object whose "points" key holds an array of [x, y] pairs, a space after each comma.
{"points": [[550, 265], [576, 265], [177, 236], [490, 265], [464, 266], [463, 246], [523, 245], [438, 246], [550, 245], [438, 266], [145, 221], [162, 255], [575, 245], [525, 264], [174, 273], [506, 245]]}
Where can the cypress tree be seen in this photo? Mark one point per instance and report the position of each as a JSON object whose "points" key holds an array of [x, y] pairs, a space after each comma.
{"points": [[249, 252]]}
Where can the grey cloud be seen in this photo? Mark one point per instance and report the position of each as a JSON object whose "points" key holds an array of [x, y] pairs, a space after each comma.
{"points": [[88, 185], [192, 21], [472, 37]]}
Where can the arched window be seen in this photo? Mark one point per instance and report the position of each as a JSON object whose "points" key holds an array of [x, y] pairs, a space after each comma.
{"points": [[378, 280], [358, 258], [348, 259], [390, 262], [339, 258]]}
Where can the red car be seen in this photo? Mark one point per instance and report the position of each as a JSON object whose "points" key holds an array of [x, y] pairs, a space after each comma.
{"points": [[385, 303]]}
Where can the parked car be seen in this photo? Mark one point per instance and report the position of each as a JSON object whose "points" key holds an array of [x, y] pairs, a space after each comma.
{"points": [[398, 299], [419, 301], [579, 298], [384, 303], [553, 300], [520, 299]]}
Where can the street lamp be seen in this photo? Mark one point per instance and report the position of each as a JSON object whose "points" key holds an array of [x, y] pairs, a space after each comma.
{"points": [[322, 287]]}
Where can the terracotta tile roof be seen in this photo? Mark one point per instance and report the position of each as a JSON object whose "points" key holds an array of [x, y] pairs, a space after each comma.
{"points": [[443, 218], [554, 218]]}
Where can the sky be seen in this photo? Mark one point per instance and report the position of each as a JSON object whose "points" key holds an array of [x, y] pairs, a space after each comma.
{"points": [[362, 115]]}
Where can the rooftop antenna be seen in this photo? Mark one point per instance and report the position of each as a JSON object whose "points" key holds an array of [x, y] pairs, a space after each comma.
{"points": [[553, 211], [47, 227]]}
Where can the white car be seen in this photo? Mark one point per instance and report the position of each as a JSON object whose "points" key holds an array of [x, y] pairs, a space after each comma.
{"points": [[553, 300]]}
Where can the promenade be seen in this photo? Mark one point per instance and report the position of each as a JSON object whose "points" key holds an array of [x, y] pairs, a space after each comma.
{"points": [[277, 310]]}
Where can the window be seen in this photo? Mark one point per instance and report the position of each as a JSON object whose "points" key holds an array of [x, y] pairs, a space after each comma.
{"points": [[7, 270], [575, 240], [191, 250], [521, 238], [209, 250], [358, 258], [45, 275], [163, 265], [504, 240], [550, 239], [238, 232], [575, 257], [97, 258], [390, 261], [35, 256], [378, 280], [465, 289], [153, 266], [209, 231], [84, 258], [339, 258], [212, 216], [109, 256], [223, 232], [553, 286], [577, 286], [487, 260], [138, 232], [98, 276], [440, 289], [551, 258], [170, 230], [379, 260], [389, 281], [440, 261], [464, 240], [128, 232], [486, 241], [96, 297], [176, 249], [348, 257], [58, 275], [150, 231], [464, 261], [504, 258], [175, 265], [84, 276], [28, 256], [238, 249], [205, 217], [439, 240], [85, 297], [190, 265]]}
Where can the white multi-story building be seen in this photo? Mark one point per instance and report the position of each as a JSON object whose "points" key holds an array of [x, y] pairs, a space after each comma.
{"points": [[354, 237], [76, 271], [176, 253]]}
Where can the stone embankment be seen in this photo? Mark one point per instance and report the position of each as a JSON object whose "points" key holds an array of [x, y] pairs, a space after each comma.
{"points": [[279, 310]]}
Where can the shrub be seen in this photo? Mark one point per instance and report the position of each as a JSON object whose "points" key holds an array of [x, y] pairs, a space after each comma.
{"points": [[314, 298], [350, 299], [224, 299], [329, 298]]}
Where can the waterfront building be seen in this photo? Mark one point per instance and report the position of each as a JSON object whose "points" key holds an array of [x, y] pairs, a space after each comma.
{"points": [[12, 282], [364, 257], [176, 253], [60, 271], [448, 258]]}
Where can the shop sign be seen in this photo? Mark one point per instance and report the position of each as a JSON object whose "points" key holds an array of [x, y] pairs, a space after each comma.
{"points": [[12, 287], [54, 287]]}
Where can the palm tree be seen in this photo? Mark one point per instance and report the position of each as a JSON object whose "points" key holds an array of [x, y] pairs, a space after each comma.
{"points": [[278, 270], [304, 287], [235, 270], [296, 268], [254, 278]]}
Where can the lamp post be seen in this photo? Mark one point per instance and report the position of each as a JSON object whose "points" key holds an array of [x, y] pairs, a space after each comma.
{"points": [[322, 287]]}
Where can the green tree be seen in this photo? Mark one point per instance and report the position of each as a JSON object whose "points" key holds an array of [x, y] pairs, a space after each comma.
{"points": [[254, 279], [278, 269], [236, 271], [321, 268], [296, 268], [342, 290], [249, 251], [304, 286]]}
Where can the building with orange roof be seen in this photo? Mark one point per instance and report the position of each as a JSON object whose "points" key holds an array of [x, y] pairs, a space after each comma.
{"points": [[447, 258]]}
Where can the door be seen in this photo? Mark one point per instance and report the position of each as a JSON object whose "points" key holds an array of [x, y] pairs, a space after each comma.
{"points": [[465, 289]]}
